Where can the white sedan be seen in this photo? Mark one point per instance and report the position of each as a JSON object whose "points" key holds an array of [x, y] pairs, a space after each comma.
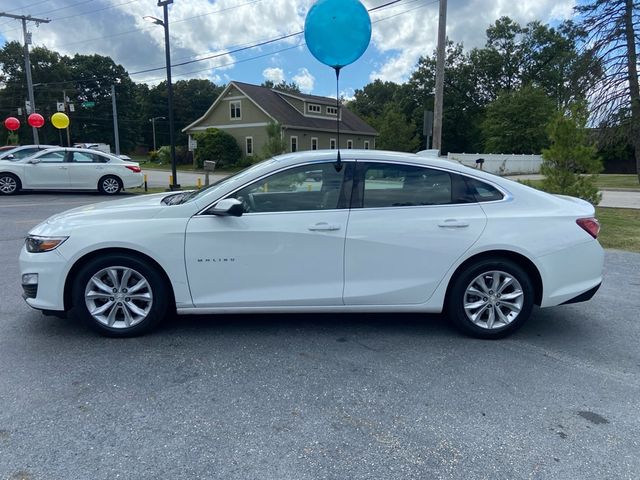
{"points": [[381, 232], [69, 169]]}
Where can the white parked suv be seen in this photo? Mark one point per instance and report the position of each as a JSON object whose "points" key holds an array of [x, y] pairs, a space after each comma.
{"points": [[69, 169], [380, 232]]}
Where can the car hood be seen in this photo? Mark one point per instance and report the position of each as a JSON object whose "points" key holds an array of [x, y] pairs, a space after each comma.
{"points": [[126, 209]]}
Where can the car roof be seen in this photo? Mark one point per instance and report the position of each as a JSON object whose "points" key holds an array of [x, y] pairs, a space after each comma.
{"points": [[82, 150], [373, 155]]}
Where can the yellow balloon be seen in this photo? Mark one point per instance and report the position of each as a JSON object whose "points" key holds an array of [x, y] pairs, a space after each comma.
{"points": [[60, 120]]}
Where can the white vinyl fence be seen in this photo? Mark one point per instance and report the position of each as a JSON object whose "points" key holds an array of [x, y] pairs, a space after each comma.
{"points": [[500, 164]]}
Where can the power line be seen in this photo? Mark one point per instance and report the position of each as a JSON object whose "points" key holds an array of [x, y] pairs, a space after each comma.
{"points": [[89, 12], [28, 6], [126, 32], [68, 6], [248, 47]]}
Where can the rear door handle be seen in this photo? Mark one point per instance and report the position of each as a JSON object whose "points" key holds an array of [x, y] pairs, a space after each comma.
{"points": [[324, 227], [62, 168], [453, 223]]}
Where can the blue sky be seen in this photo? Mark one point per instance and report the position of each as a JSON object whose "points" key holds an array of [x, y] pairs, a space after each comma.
{"points": [[401, 33]]}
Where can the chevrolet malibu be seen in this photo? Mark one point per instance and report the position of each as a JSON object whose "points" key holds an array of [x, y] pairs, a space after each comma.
{"points": [[377, 232]]}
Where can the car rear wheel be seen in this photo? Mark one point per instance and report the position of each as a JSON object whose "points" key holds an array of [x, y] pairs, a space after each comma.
{"points": [[109, 185], [119, 295], [9, 184], [491, 298]]}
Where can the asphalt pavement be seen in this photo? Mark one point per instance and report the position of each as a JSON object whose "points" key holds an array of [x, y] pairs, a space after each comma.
{"points": [[318, 396]]}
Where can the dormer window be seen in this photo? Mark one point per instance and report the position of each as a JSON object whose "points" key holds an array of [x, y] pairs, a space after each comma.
{"points": [[314, 108], [332, 111], [235, 111]]}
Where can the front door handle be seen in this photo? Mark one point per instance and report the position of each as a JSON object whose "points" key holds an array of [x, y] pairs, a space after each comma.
{"points": [[62, 168], [453, 223], [324, 227]]}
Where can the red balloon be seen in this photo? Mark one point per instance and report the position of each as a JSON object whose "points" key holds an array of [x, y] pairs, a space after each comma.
{"points": [[36, 120], [12, 123]]}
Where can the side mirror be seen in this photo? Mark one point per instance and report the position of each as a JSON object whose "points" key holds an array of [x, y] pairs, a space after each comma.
{"points": [[11, 156], [229, 207]]}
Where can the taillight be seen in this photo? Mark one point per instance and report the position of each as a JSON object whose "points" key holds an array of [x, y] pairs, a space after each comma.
{"points": [[133, 168], [589, 225]]}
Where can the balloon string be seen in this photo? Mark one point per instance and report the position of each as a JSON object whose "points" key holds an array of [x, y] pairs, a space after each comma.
{"points": [[339, 161]]}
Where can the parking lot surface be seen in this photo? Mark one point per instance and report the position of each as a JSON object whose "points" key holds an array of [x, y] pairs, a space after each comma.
{"points": [[317, 396]]}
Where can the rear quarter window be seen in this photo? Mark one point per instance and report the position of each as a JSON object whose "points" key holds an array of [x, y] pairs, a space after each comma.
{"points": [[483, 192]]}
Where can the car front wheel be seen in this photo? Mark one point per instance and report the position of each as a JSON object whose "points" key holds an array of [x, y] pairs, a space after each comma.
{"points": [[9, 184], [119, 295], [491, 298], [109, 185]]}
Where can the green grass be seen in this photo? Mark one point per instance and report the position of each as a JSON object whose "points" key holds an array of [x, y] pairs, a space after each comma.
{"points": [[620, 228], [618, 181], [604, 182]]}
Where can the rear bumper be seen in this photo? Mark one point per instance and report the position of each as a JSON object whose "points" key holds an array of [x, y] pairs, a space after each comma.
{"points": [[571, 275], [584, 297]]}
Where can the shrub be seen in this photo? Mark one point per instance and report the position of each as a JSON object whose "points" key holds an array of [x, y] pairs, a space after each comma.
{"points": [[218, 146], [570, 164]]}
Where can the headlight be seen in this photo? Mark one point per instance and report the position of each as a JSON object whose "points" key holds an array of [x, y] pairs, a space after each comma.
{"points": [[37, 244]]}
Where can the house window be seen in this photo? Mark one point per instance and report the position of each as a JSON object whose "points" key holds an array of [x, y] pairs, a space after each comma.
{"points": [[248, 141], [314, 143], [294, 144], [332, 143], [349, 144], [313, 108], [366, 144], [332, 110], [235, 110]]}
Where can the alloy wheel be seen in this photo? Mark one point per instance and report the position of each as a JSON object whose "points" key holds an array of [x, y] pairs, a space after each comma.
{"points": [[110, 185], [493, 299], [8, 184], [118, 297]]}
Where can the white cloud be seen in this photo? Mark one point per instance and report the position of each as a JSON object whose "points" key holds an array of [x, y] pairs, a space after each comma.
{"points": [[305, 80], [275, 74], [404, 38], [401, 33]]}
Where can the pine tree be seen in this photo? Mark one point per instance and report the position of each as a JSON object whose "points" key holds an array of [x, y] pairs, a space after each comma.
{"points": [[571, 163]]}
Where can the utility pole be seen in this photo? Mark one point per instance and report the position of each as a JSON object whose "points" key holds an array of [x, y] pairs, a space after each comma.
{"points": [[165, 24], [167, 50], [440, 61], [27, 61], [64, 101], [115, 118], [153, 129]]}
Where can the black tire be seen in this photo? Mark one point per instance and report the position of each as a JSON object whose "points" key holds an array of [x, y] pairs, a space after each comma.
{"points": [[157, 286], [483, 270], [110, 185], [9, 184]]}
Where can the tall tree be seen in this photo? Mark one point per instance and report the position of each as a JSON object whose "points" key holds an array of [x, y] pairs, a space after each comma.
{"points": [[538, 54], [283, 86], [191, 99], [397, 133], [613, 28], [516, 121]]}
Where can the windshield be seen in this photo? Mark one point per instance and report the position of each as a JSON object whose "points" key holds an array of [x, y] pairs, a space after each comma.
{"points": [[19, 154], [189, 196]]}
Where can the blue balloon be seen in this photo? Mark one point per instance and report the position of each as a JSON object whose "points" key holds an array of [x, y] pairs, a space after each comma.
{"points": [[337, 32]]}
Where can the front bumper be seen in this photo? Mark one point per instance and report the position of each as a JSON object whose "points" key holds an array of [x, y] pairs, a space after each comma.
{"points": [[48, 293]]}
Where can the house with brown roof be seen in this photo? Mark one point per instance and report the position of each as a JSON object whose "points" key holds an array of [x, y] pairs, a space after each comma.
{"points": [[308, 122]]}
